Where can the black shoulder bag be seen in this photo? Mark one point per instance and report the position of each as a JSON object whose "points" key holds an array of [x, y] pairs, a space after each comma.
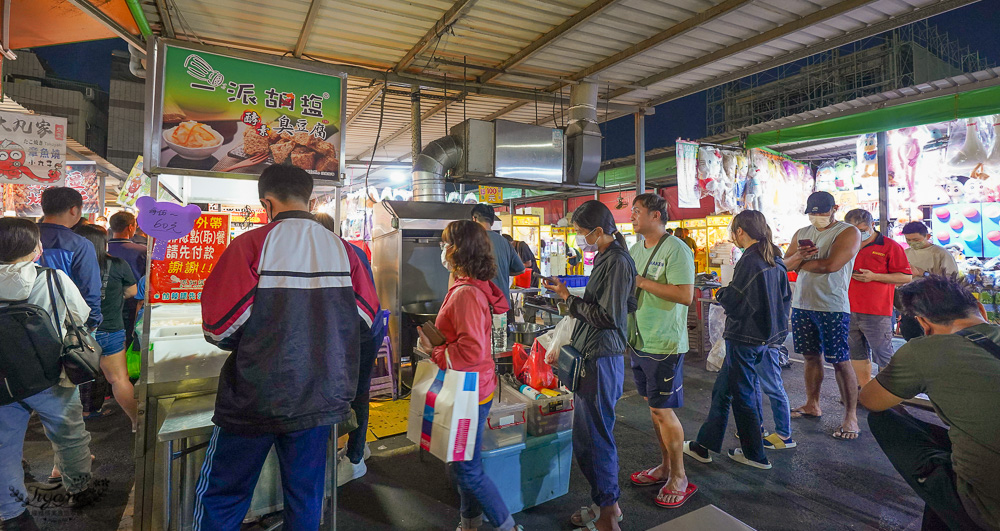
{"points": [[81, 354], [981, 341]]}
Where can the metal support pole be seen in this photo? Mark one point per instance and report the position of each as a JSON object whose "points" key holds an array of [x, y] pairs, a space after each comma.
{"points": [[415, 145], [883, 183], [640, 153]]}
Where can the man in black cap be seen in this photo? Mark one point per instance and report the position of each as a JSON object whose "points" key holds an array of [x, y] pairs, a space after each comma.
{"points": [[823, 254]]}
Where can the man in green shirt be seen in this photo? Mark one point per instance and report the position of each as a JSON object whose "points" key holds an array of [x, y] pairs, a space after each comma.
{"points": [[658, 333], [957, 364]]}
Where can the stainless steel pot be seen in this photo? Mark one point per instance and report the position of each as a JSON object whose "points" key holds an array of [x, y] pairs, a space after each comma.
{"points": [[525, 333]]}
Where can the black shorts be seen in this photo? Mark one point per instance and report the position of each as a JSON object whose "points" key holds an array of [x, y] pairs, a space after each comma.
{"points": [[659, 378]]}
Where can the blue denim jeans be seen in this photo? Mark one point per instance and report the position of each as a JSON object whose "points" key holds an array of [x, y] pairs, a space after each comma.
{"points": [[736, 386], [769, 376], [476, 490], [593, 426], [62, 418], [356, 439]]}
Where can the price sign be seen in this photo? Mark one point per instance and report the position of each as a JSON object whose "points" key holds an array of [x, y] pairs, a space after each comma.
{"points": [[491, 194], [165, 221]]}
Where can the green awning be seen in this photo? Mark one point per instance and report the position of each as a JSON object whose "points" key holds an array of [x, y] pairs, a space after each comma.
{"points": [[980, 102]]}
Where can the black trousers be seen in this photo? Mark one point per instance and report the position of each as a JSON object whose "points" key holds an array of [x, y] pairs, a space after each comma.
{"points": [[921, 453]]}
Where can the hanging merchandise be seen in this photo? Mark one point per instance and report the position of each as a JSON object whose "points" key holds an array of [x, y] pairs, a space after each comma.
{"points": [[904, 152], [754, 195], [955, 190], [992, 162], [709, 170], [867, 170], [826, 177], [972, 151], [726, 200], [687, 175], [844, 169], [742, 169]]}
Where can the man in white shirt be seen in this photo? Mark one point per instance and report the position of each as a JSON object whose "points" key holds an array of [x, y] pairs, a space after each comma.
{"points": [[926, 258]]}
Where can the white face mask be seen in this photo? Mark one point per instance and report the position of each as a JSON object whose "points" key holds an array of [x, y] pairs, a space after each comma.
{"points": [[444, 257], [819, 221], [920, 245], [581, 242]]}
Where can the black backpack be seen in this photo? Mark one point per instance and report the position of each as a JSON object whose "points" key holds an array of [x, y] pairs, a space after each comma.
{"points": [[30, 351]]}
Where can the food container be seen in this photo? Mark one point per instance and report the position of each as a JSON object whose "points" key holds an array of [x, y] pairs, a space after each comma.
{"points": [[525, 333], [546, 415], [505, 426]]}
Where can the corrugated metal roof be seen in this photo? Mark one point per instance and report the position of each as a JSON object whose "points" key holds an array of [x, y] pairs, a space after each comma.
{"points": [[641, 52]]}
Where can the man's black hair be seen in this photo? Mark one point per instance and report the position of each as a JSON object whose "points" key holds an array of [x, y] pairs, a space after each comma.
{"points": [[484, 213], [58, 200], [939, 299], [121, 221], [652, 203], [285, 183], [509, 238], [916, 227]]}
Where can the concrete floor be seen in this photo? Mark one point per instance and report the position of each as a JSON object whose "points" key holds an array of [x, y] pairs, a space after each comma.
{"points": [[824, 484]]}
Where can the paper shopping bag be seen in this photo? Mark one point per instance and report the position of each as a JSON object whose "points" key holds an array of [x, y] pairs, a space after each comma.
{"points": [[444, 412]]}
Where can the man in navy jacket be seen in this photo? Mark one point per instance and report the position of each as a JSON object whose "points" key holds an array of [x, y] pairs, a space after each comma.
{"points": [[67, 251]]}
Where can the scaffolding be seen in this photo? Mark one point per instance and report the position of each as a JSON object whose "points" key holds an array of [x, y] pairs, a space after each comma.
{"points": [[909, 55]]}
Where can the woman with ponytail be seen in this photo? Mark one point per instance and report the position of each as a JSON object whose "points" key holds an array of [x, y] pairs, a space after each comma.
{"points": [[757, 304], [599, 335]]}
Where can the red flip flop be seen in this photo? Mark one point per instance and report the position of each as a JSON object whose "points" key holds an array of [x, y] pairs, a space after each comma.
{"points": [[691, 489], [643, 479]]}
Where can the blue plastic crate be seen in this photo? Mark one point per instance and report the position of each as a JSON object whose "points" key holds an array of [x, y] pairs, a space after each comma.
{"points": [[575, 281], [533, 472]]}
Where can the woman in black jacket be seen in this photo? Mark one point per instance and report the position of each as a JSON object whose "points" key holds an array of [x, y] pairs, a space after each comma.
{"points": [[756, 304], [599, 335]]}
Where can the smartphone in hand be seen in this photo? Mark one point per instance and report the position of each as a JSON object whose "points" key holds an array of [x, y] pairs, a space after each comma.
{"points": [[806, 243]]}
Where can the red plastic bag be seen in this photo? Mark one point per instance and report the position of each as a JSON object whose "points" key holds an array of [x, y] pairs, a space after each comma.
{"points": [[536, 372], [518, 357]]}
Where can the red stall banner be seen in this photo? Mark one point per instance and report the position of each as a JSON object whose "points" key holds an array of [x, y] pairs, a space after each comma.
{"points": [[181, 275]]}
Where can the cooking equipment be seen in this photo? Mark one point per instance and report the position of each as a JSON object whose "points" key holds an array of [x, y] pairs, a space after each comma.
{"points": [[525, 333]]}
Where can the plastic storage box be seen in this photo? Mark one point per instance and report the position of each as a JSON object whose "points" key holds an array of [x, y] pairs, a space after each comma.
{"points": [[574, 281], [506, 425], [531, 473], [546, 415]]}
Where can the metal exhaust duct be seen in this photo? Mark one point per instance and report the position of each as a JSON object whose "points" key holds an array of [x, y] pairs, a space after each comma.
{"points": [[583, 136], [430, 166]]}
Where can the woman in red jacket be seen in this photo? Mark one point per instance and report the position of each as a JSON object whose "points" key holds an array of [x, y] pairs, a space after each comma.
{"points": [[466, 322]]}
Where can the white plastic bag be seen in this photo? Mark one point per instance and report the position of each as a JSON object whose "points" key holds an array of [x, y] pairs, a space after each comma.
{"points": [[558, 337], [716, 357]]}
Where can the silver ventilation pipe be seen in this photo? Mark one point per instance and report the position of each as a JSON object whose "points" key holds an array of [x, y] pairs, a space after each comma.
{"points": [[430, 166], [583, 136], [135, 62]]}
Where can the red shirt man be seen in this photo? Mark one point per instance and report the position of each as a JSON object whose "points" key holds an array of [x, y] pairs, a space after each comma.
{"points": [[881, 264]]}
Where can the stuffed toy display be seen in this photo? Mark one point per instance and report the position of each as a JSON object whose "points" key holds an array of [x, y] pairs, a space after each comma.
{"points": [[826, 177], [972, 150], [992, 162]]}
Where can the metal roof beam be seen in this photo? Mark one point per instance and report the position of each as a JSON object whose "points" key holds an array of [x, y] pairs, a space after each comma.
{"points": [[369, 99], [596, 7], [164, 13], [307, 25], [673, 31], [402, 130], [455, 12], [115, 27]]}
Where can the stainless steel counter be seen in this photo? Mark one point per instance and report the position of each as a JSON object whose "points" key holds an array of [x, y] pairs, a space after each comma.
{"points": [[188, 417]]}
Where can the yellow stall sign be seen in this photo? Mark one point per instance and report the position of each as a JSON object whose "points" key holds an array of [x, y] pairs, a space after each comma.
{"points": [[491, 194]]}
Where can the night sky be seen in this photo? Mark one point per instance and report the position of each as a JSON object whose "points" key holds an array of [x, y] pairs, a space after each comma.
{"points": [[975, 26]]}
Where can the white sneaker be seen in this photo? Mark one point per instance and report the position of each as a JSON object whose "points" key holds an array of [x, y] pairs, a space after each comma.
{"points": [[348, 471], [342, 453]]}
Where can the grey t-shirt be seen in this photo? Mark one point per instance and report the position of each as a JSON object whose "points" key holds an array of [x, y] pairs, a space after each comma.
{"points": [[823, 292], [508, 263], [960, 378]]}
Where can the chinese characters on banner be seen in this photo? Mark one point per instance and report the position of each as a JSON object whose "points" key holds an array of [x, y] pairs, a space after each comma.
{"points": [[181, 275], [491, 194], [219, 111], [25, 200], [32, 149]]}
